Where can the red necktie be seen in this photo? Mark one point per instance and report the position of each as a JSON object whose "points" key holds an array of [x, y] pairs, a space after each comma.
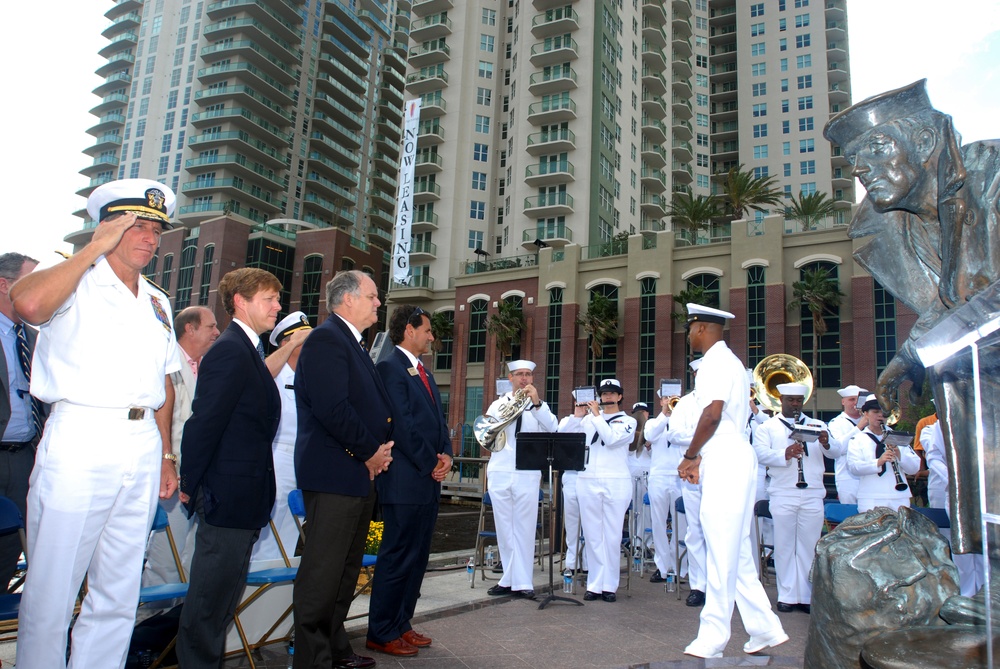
{"points": [[423, 377]]}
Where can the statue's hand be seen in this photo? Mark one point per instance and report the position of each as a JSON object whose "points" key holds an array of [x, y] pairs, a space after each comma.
{"points": [[903, 367]]}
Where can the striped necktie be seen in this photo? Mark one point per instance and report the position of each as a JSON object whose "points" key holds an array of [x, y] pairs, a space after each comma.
{"points": [[260, 349], [24, 358]]}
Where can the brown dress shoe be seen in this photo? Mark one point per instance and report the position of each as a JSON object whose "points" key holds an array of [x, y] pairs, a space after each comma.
{"points": [[415, 638], [397, 647]]}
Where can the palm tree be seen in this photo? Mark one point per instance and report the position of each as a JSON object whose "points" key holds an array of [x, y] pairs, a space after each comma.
{"points": [[693, 213], [743, 191], [506, 325], [810, 209], [690, 295], [442, 327], [600, 322], [819, 293]]}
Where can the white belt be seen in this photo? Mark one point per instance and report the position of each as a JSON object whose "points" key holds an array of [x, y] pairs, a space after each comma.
{"points": [[110, 413]]}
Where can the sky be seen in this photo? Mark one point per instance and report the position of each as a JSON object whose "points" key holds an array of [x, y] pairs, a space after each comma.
{"points": [[53, 56]]}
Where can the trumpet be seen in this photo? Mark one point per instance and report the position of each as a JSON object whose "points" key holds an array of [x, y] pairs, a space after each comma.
{"points": [[672, 401]]}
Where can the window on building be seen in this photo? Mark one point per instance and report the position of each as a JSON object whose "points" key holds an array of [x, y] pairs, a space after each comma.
{"points": [[782, 44], [485, 69], [784, 106], [647, 341], [605, 365], [802, 41], [477, 331], [759, 90], [486, 43], [801, 20], [758, 69], [760, 130], [480, 152], [784, 85], [446, 345], [760, 172], [787, 169], [756, 29], [757, 9], [756, 315], [477, 210], [482, 124], [828, 358], [805, 81], [802, 62], [553, 348], [807, 145], [807, 167], [808, 188], [757, 49], [489, 17], [805, 124], [185, 274], [206, 274], [760, 151], [805, 102], [885, 327], [484, 96], [759, 109], [312, 283]]}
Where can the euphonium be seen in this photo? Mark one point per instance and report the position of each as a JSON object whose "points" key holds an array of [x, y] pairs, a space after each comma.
{"points": [[489, 430]]}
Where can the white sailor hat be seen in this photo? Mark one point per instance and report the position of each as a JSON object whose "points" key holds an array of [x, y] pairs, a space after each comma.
{"points": [[610, 386], [516, 365], [640, 406], [699, 313], [293, 322], [792, 389], [143, 197], [695, 364], [851, 391]]}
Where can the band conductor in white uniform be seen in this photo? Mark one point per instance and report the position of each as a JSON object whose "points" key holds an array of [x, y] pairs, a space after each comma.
{"points": [[843, 428], [721, 459], [104, 353], [604, 488], [797, 509], [872, 464], [513, 493]]}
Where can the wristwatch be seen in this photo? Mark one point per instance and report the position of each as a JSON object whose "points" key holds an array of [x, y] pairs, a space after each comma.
{"points": [[171, 457], [536, 406]]}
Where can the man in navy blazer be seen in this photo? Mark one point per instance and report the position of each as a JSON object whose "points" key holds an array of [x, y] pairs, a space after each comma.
{"points": [[409, 491], [343, 443], [227, 474]]}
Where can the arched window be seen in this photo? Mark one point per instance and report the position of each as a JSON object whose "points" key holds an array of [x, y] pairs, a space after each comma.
{"points": [[647, 339], [606, 364], [885, 327], [709, 283], [312, 285], [477, 331], [756, 315], [206, 274], [553, 348], [168, 271], [828, 358], [185, 274], [443, 357]]}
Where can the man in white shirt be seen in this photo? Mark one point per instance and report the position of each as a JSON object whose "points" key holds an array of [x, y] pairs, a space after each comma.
{"points": [[664, 487], [843, 427]]}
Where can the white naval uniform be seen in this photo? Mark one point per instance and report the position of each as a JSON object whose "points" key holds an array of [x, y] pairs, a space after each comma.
{"points": [[683, 421], [728, 476], [875, 490], [283, 452], [97, 473], [664, 488], [571, 513], [842, 429], [766, 525], [604, 489], [514, 495], [970, 566], [797, 512], [638, 466]]}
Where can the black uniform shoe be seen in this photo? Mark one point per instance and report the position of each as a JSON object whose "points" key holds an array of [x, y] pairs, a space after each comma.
{"points": [[523, 594], [590, 596], [785, 608], [804, 608], [656, 577], [609, 596], [498, 569], [498, 590], [696, 598]]}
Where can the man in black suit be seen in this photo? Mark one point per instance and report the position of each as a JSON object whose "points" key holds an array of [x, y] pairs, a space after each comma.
{"points": [[409, 491], [17, 425], [227, 473], [343, 442]]}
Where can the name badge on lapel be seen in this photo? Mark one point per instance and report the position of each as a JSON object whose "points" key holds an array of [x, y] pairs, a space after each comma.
{"points": [[412, 371]]}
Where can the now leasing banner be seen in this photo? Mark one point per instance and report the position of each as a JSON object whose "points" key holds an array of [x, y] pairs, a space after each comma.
{"points": [[404, 196]]}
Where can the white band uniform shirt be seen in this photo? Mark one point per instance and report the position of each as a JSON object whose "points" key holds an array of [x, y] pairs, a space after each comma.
{"points": [[664, 488], [843, 428], [875, 490], [797, 512], [97, 473], [571, 512], [283, 453], [514, 495], [680, 432], [728, 476], [604, 489]]}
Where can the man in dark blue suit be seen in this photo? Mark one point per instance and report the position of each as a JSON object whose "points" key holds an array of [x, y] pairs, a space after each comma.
{"points": [[409, 491], [343, 443], [227, 473]]}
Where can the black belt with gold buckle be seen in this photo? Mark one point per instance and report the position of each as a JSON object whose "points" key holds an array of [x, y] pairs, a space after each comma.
{"points": [[13, 446]]}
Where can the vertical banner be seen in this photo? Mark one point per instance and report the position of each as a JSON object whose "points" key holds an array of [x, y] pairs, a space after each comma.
{"points": [[404, 195]]}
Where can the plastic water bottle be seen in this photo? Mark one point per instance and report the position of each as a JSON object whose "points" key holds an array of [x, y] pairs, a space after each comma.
{"points": [[637, 559], [470, 568], [671, 585], [568, 582], [291, 652], [490, 557]]}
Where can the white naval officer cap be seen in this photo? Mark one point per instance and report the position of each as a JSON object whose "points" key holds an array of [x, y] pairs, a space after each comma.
{"points": [[851, 391], [792, 389], [143, 197], [517, 365], [293, 322], [699, 313], [611, 386]]}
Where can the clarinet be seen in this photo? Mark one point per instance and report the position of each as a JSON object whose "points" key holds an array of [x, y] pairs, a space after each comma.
{"points": [[900, 482], [801, 483]]}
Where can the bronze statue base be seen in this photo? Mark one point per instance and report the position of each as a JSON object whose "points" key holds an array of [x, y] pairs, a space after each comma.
{"points": [[946, 647]]}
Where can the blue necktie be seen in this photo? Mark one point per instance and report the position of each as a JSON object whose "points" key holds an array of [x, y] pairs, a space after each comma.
{"points": [[24, 358], [260, 349]]}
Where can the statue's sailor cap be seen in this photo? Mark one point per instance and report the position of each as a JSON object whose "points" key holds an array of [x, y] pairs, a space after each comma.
{"points": [[293, 322], [143, 197], [698, 313], [517, 365], [877, 110], [792, 389]]}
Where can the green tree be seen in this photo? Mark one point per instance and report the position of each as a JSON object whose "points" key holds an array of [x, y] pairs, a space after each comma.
{"points": [[810, 209], [442, 327], [690, 295], [506, 325], [691, 214], [819, 294], [743, 191], [600, 323]]}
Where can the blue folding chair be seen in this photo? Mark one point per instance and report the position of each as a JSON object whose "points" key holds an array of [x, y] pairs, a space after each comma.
{"points": [[765, 552], [10, 522], [938, 516], [156, 594], [680, 548], [835, 513], [482, 534]]}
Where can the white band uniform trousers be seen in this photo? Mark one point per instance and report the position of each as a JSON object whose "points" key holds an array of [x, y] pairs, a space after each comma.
{"points": [[663, 491], [514, 496], [603, 502], [798, 524]]}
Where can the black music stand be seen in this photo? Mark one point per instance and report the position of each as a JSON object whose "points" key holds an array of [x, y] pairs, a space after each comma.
{"points": [[543, 451]]}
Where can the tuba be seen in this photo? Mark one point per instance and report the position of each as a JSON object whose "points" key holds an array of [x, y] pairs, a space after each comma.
{"points": [[774, 370], [489, 430]]}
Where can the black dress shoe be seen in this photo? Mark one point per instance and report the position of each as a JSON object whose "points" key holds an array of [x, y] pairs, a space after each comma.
{"points": [[656, 577], [498, 590], [785, 608], [590, 596], [523, 594], [498, 569], [804, 608], [609, 596], [354, 661], [696, 598]]}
